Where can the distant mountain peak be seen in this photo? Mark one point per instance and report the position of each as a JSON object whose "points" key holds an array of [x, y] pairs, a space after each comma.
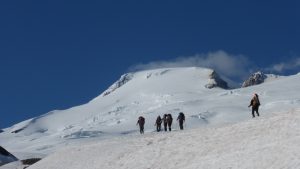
{"points": [[255, 79], [216, 81]]}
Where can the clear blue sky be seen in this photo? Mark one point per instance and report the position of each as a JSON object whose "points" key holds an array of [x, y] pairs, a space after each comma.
{"points": [[58, 54]]}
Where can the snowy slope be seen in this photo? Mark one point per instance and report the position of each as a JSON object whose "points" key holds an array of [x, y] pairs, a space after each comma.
{"points": [[148, 93], [262, 143], [14, 165]]}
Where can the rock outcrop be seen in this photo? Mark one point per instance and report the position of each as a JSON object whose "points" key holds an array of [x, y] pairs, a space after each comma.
{"points": [[6, 157], [123, 80], [216, 81], [255, 79]]}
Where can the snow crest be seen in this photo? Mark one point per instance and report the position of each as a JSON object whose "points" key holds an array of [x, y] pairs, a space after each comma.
{"points": [[122, 81]]}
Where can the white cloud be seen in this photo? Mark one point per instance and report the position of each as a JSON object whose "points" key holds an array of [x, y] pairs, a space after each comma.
{"points": [[293, 64], [234, 66]]}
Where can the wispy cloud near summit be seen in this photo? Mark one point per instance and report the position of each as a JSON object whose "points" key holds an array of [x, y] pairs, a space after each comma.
{"points": [[234, 66], [290, 65]]}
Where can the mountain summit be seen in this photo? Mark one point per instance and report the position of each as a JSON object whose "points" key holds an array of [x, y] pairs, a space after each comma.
{"points": [[255, 79], [216, 81]]}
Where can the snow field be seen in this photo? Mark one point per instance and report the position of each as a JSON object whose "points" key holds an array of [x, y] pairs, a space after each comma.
{"points": [[266, 142]]}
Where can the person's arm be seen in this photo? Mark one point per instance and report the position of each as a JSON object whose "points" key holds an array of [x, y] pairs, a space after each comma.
{"points": [[251, 102]]}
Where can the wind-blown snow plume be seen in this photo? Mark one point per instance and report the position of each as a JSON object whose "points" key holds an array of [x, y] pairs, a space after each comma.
{"points": [[234, 66]]}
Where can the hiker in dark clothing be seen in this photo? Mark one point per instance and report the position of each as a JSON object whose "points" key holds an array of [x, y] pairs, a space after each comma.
{"points": [[169, 121], [141, 123], [165, 122], [158, 124], [181, 120], [255, 103]]}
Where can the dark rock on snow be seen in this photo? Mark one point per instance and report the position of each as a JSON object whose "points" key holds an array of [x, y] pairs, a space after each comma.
{"points": [[6, 157], [216, 81], [30, 161], [123, 80], [255, 79]]}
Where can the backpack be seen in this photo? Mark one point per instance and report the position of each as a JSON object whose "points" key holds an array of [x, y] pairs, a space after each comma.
{"points": [[165, 118], [256, 101], [141, 120], [169, 118], [158, 120], [181, 116]]}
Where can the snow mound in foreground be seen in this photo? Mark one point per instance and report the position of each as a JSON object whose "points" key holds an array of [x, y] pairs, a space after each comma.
{"points": [[266, 142]]}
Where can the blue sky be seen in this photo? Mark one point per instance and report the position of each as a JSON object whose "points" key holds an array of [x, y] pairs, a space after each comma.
{"points": [[58, 54]]}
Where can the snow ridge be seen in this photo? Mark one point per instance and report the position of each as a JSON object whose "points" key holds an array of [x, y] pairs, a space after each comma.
{"points": [[122, 81]]}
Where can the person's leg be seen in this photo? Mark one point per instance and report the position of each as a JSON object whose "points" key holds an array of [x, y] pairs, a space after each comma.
{"points": [[257, 111], [253, 115], [181, 125]]}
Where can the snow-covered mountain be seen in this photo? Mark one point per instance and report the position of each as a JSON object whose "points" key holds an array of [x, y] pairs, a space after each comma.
{"points": [[149, 93]]}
